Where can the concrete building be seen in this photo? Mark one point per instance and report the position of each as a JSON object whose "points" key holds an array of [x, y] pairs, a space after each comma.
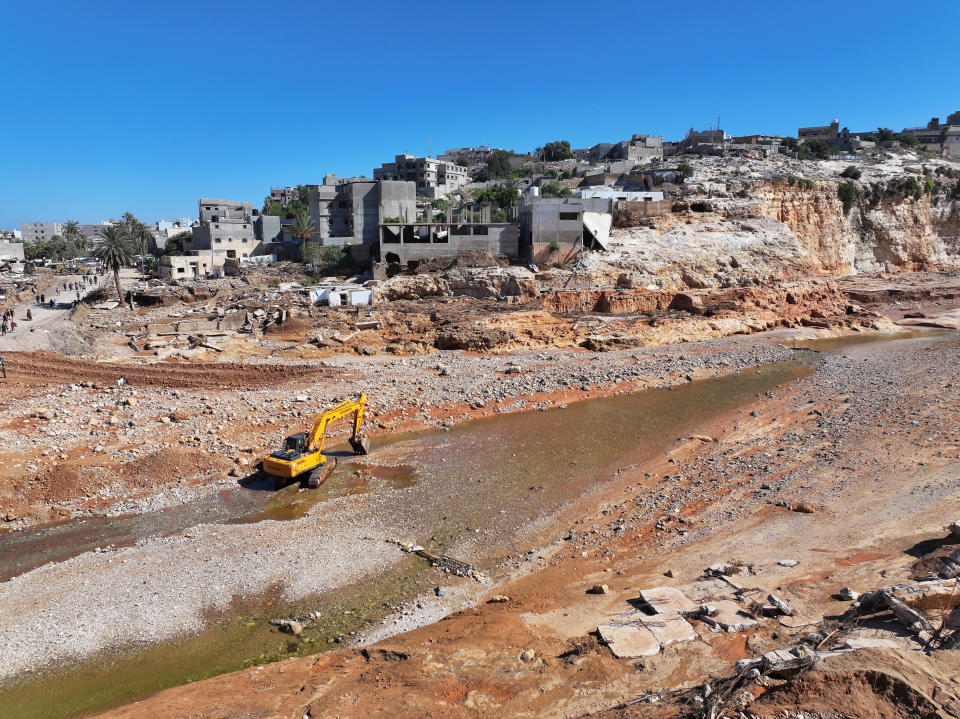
{"points": [[226, 229], [418, 241], [284, 195], [169, 228], [639, 149], [704, 137], [197, 263], [570, 223], [432, 177], [34, 231], [349, 212], [939, 138], [823, 132], [619, 194], [10, 250]]}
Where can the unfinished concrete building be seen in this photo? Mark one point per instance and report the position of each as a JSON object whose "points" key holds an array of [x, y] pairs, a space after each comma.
{"points": [[432, 177], [555, 229], [939, 138], [419, 241], [348, 213], [36, 231], [822, 132]]}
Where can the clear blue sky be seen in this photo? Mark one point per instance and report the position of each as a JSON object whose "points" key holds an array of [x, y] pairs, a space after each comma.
{"points": [[113, 106]]}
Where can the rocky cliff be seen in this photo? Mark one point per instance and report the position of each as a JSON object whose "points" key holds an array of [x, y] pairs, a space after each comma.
{"points": [[893, 234]]}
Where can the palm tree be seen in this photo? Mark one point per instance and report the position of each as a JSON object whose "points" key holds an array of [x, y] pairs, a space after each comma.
{"points": [[302, 227], [115, 249]]}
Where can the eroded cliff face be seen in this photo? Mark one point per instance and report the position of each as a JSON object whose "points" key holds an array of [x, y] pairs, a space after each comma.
{"points": [[895, 235]]}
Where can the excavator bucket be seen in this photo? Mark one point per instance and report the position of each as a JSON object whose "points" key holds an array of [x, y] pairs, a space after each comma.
{"points": [[360, 444]]}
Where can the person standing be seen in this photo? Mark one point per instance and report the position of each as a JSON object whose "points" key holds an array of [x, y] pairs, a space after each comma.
{"points": [[3, 366]]}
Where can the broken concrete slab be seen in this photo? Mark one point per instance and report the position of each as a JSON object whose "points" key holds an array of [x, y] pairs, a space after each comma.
{"points": [[781, 605], [629, 641], [670, 628], [729, 616], [664, 600], [796, 620], [869, 643]]}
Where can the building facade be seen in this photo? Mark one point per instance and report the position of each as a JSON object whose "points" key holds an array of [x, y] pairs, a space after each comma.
{"points": [[349, 212], [226, 229], [432, 177], [939, 138], [35, 231], [823, 132], [556, 228]]}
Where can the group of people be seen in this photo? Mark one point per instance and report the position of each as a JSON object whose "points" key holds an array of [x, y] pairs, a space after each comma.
{"points": [[8, 323]]}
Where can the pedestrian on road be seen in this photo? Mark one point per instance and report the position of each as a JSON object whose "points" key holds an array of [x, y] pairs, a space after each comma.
{"points": [[3, 328], [43, 299], [3, 366], [13, 325]]}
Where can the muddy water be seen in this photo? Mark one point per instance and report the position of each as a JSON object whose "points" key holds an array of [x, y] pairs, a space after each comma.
{"points": [[476, 488], [835, 344]]}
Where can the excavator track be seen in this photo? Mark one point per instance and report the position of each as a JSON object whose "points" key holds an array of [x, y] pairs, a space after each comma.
{"points": [[320, 474]]}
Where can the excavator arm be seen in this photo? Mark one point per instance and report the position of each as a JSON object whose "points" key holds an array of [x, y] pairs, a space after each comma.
{"points": [[318, 431]]}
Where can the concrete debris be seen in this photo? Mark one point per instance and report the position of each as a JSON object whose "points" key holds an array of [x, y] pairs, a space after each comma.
{"points": [[728, 616], [599, 589], [869, 643], [498, 599], [880, 599], [629, 641], [780, 605], [665, 600], [788, 562], [670, 628], [950, 566]]}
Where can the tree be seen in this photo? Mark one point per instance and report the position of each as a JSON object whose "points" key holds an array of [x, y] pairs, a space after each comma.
{"points": [[498, 164], [115, 249], [885, 134], [685, 169], [502, 196], [555, 151], [73, 233], [852, 172], [908, 139], [552, 189], [302, 227], [790, 142], [847, 192], [176, 243], [310, 253]]}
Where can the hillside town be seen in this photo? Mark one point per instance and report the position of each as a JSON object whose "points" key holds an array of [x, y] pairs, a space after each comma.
{"points": [[653, 428]]}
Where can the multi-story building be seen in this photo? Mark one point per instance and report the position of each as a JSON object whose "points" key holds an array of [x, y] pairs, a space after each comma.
{"points": [[567, 223], [348, 212], [823, 132], [35, 231], [940, 138], [226, 228], [704, 137], [283, 195], [638, 149], [432, 177]]}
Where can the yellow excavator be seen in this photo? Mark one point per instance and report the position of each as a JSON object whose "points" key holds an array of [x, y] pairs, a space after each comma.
{"points": [[303, 452]]}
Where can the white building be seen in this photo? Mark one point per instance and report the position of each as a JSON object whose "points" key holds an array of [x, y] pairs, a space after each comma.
{"points": [[612, 193]]}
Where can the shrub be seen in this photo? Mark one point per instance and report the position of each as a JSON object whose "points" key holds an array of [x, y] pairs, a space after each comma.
{"points": [[554, 246], [847, 192], [852, 172]]}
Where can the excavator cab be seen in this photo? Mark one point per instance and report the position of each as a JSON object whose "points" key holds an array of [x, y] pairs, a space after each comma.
{"points": [[293, 447]]}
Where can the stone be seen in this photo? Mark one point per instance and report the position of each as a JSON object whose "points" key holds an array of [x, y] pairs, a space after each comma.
{"points": [[670, 628], [955, 529], [498, 599], [130, 401], [290, 626], [629, 641], [788, 562], [599, 589], [848, 595], [441, 591], [804, 508], [527, 655], [179, 416], [672, 573], [665, 600]]}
